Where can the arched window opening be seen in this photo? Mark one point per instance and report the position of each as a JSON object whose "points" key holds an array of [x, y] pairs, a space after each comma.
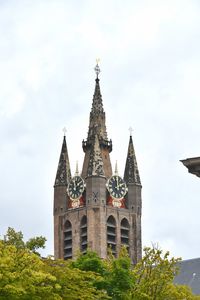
{"points": [[67, 240], [111, 234], [83, 234], [125, 233]]}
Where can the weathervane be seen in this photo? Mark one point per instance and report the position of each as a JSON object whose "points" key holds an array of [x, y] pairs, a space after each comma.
{"points": [[97, 69], [131, 130], [64, 130]]}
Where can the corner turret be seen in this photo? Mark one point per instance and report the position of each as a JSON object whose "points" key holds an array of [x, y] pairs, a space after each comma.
{"points": [[134, 198], [63, 177]]}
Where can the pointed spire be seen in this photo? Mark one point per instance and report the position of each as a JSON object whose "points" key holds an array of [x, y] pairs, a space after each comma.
{"points": [[131, 173], [97, 104], [63, 175], [97, 115], [97, 133], [95, 166]]}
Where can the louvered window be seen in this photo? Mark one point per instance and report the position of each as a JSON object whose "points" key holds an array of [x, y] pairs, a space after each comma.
{"points": [[125, 233], [111, 234], [67, 240], [83, 234]]}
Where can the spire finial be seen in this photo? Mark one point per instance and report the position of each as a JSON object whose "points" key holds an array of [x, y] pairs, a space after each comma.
{"points": [[64, 131], [116, 168], [131, 130], [77, 172], [97, 69]]}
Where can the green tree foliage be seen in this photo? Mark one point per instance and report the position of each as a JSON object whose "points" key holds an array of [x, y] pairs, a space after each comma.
{"points": [[151, 279], [90, 262], [119, 279], [15, 238], [21, 275], [75, 283], [25, 275], [154, 278], [114, 275], [154, 273]]}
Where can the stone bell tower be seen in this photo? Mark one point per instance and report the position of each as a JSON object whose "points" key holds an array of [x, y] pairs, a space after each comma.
{"points": [[97, 209]]}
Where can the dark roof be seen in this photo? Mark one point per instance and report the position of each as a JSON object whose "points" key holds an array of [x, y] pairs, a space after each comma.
{"points": [[189, 274]]}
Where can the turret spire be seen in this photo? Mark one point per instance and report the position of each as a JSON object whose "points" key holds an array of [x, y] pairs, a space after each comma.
{"points": [[131, 173], [63, 175]]}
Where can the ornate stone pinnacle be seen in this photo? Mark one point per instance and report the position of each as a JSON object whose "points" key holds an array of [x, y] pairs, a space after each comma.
{"points": [[95, 166]]}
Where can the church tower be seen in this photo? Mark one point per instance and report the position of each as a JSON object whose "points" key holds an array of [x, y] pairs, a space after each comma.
{"points": [[97, 209]]}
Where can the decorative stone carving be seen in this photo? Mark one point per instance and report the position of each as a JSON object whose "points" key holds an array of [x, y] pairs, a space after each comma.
{"points": [[95, 166]]}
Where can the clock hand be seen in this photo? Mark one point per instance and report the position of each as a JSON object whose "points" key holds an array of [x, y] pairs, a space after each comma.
{"points": [[121, 184], [117, 179], [74, 184]]}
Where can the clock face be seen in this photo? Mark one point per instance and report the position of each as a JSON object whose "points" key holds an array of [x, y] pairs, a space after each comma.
{"points": [[76, 188], [116, 187]]}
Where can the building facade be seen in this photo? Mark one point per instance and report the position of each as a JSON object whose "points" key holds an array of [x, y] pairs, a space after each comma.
{"points": [[97, 209]]}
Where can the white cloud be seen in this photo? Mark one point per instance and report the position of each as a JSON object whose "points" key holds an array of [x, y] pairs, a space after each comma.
{"points": [[149, 53]]}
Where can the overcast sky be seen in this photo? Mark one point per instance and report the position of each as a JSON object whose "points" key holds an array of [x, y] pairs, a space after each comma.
{"points": [[150, 80]]}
